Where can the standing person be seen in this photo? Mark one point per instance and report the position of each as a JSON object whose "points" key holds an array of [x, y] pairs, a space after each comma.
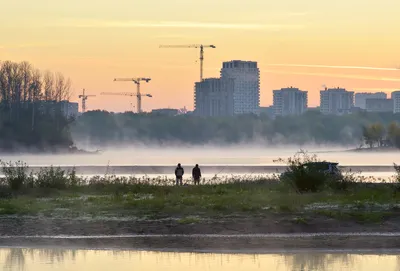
{"points": [[179, 174], [196, 174]]}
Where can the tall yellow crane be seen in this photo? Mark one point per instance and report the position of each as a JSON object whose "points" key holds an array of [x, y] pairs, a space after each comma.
{"points": [[84, 97], [201, 46], [138, 94], [126, 94]]}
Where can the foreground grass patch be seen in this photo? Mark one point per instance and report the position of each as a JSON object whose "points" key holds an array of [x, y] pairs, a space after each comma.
{"points": [[361, 217], [367, 203], [188, 220]]}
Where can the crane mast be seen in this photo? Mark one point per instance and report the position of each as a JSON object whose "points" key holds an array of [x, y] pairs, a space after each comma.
{"points": [[138, 94], [201, 46], [84, 97]]}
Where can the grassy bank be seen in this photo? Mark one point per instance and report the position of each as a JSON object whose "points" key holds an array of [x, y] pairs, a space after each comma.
{"points": [[364, 202], [54, 201]]}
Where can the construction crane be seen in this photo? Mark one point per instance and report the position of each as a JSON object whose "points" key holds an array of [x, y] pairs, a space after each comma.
{"points": [[201, 46], [84, 97], [126, 94], [138, 95]]}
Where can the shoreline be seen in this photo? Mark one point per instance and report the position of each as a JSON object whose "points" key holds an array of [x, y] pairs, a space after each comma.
{"points": [[253, 234], [372, 244]]}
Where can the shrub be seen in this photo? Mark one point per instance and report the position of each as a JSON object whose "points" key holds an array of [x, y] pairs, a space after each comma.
{"points": [[52, 178], [16, 175], [397, 176], [304, 175]]}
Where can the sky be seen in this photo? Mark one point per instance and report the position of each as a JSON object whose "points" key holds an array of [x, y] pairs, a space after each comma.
{"points": [[304, 44]]}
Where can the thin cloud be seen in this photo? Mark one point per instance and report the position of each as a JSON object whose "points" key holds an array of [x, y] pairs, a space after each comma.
{"points": [[37, 45], [174, 24], [335, 67], [336, 75]]}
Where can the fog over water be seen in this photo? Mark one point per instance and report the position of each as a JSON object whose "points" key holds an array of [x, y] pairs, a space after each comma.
{"points": [[208, 155]]}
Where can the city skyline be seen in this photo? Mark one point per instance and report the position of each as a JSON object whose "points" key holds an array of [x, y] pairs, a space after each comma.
{"points": [[294, 43]]}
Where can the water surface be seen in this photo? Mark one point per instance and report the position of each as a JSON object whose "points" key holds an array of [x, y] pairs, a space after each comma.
{"points": [[66, 259]]}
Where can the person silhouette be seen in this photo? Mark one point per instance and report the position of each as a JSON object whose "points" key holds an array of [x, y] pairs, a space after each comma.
{"points": [[179, 174], [196, 174]]}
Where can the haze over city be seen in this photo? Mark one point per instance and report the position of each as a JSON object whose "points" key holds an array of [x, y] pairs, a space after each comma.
{"points": [[302, 44]]}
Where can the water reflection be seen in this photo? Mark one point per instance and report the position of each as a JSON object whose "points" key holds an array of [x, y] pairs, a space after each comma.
{"points": [[317, 261], [66, 259]]}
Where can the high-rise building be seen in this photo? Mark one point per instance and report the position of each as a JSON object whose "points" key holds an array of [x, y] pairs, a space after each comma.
{"points": [[290, 101], [361, 97], [396, 101], [214, 97], [379, 105], [336, 101], [246, 93]]}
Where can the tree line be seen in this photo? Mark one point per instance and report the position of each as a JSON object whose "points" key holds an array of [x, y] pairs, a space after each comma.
{"points": [[31, 118], [379, 135], [30, 113], [101, 128]]}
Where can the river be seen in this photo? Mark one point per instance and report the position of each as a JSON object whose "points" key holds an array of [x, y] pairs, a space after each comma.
{"points": [[244, 162]]}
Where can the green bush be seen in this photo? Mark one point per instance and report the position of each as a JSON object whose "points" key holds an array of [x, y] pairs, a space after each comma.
{"points": [[303, 175], [397, 176], [52, 178], [16, 175]]}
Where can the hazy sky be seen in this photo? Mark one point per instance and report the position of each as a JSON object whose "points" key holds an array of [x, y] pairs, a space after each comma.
{"points": [[93, 42]]}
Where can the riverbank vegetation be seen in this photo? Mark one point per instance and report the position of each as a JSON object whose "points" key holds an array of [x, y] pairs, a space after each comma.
{"points": [[55, 194], [102, 128], [376, 135], [31, 109]]}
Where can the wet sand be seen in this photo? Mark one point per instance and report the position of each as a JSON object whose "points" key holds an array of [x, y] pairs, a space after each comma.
{"points": [[201, 244], [224, 234]]}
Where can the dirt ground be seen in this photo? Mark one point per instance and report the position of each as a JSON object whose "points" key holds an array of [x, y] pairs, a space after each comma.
{"points": [[35, 226]]}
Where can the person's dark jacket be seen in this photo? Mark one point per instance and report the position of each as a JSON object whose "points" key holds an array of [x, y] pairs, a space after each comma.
{"points": [[179, 171], [196, 173]]}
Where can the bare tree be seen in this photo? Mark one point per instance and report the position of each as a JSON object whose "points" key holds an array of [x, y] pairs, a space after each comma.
{"points": [[21, 84], [26, 75], [36, 86], [48, 84], [62, 87]]}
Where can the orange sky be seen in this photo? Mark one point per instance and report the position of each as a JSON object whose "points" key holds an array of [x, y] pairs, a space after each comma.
{"points": [[93, 42]]}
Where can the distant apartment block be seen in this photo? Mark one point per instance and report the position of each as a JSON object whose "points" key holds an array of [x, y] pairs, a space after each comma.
{"points": [[379, 105], [69, 109], [214, 97], [289, 101], [336, 101], [267, 110], [396, 101], [246, 90], [165, 111], [360, 98]]}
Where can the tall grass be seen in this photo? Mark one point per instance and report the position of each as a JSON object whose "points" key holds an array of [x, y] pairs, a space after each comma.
{"points": [[18, 176]]}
